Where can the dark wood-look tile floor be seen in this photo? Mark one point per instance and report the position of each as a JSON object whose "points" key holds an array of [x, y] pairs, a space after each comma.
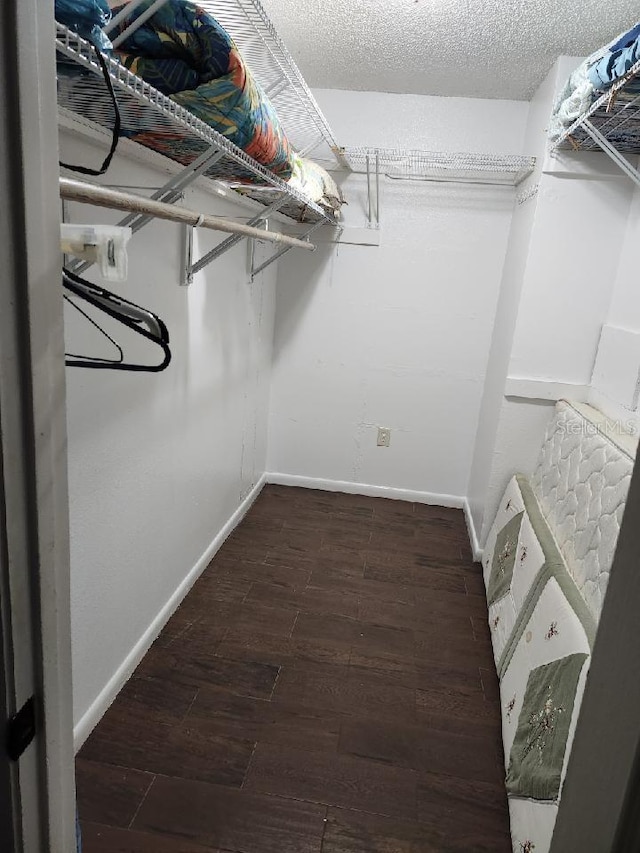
{"points": [[326, 687]]}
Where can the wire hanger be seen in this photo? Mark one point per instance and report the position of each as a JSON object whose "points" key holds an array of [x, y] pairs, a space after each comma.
{"points": [[139, 320]]}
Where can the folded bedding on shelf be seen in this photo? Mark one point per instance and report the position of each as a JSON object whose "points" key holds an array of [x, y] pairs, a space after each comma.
{"points": [[87, 18], [573, 101], [182, 51], [316, 183], [546, 566], [620, 57], [310, 180], [594, 76]]}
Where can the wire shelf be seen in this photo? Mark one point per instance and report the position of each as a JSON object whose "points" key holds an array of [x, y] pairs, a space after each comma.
{"points": [[273, 66], [507, 169], [155, 121], [616, 114]]}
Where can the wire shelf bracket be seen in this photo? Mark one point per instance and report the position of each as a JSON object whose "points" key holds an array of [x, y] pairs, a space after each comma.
{"points": [[507, 170], [191, 268], [612, 152], [611, 125], [276, 255]]}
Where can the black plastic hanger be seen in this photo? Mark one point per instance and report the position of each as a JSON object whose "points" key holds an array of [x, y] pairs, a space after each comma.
{"points": [[140, 320], [117, 123]]}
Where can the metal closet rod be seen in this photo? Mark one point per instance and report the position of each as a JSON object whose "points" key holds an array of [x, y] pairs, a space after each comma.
{"points": [[86, 193]]}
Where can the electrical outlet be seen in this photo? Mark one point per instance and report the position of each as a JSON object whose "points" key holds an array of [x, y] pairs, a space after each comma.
{"points": [[384, 437]]}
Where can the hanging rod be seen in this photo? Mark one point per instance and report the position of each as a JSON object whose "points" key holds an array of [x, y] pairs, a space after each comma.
{"points": [[86, 193]]}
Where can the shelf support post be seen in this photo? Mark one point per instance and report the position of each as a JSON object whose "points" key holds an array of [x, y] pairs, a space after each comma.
{"points": [[252, 251], [612, 151], [373, 194], [377, 188], [283, 250], [187, 267], [368, 191], [227, 244]]}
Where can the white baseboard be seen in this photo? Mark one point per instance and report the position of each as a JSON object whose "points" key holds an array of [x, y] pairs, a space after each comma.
{"points": [[432, 498], [473, 536], [104, 699], [371, 491]]}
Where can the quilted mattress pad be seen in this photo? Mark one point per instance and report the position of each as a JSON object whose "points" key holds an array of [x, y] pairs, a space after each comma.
{"points": [[581, 482], [542, 633], [546, 565]]}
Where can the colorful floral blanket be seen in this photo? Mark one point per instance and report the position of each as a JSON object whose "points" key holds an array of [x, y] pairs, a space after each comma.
{"points": [[185, 53]]}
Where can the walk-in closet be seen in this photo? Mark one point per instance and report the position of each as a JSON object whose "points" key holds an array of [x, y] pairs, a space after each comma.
{"points": [[319, 412]]}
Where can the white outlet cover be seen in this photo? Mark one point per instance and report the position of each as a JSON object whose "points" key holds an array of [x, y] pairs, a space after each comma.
{"points": [[384, 437]]}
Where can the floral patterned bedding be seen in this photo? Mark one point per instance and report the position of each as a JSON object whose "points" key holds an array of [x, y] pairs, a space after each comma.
{"points": [[185, 53]]}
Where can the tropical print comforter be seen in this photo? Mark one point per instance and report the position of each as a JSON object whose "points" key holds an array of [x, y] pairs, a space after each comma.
{"points": [[185, 53]]}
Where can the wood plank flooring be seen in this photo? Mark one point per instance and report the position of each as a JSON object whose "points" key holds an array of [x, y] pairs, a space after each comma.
{"points": [[326, 687]]}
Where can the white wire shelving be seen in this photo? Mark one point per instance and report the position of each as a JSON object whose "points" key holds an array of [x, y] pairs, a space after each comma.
{"points": [[412, 165], [274, 68], [507, 169], [612, 125], [155, 121]]}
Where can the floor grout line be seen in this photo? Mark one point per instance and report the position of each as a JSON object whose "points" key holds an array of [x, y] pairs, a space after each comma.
{"points": [[224, 637], [277, 678], [473, 629], [295, 622], [191, 704], [146, 794], [246, 772], [324, 828]]}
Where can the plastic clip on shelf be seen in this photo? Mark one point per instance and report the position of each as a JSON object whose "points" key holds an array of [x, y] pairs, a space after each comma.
{"points": [[105, 245]]}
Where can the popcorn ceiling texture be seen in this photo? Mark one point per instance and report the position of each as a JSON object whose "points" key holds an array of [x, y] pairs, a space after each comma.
{"points": [[472, 48]]}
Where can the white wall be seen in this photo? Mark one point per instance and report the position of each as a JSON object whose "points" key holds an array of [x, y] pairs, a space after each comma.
{"points": [[615, 384], [159, 462], [625, 303], [554, 299], [428, 123], [395, 335], [507, 308], [568, 283]]}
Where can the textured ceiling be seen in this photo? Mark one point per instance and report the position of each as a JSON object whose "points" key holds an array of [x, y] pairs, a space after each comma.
{"points": [[472, 48]]}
